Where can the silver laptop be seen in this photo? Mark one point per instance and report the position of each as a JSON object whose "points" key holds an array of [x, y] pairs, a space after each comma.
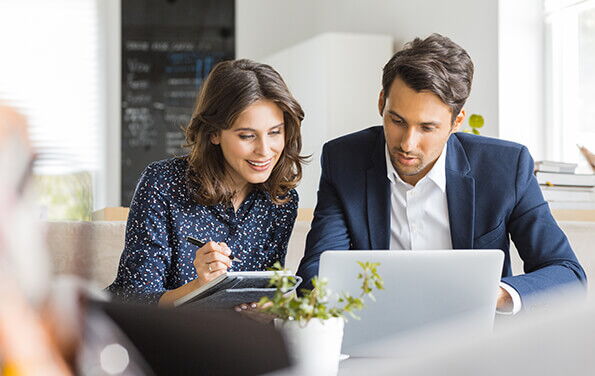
{"points": [[421, 289]]}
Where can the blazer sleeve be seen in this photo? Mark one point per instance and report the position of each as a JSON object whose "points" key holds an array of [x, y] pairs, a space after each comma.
{"points": [[147, 252], [549, 261], [329, 229]]}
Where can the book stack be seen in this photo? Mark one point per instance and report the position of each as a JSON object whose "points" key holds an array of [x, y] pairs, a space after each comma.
{"points": [[563, 187]]}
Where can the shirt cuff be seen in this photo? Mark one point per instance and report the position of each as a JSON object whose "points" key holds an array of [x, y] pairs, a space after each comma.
{"points": [[516, 300]]}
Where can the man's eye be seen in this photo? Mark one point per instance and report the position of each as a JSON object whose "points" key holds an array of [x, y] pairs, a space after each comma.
{"points": [[428, 129], [397, 121]]}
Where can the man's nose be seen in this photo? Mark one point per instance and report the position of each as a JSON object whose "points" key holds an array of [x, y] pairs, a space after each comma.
{"points": [[409, 140]]}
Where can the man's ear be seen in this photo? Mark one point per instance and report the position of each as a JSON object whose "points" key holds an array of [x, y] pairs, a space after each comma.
{"points": [[381, 101], [458, 121], [215, 138]]}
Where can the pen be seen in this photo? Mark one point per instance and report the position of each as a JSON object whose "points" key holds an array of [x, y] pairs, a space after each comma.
{"points": [[201, 244]]}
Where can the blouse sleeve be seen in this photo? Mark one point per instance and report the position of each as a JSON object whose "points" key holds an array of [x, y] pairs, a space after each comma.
{"points": [[147, 250], [285, 219]]}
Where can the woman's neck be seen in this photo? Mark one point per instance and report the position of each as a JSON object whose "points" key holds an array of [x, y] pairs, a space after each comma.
{"points": [[240, 196]]}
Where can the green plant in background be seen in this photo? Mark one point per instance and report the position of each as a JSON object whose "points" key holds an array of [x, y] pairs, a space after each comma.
{"points": [[314, 303], [65, 197], [475, 122]]}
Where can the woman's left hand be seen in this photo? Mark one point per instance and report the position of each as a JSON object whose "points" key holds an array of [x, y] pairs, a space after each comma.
{"points": [[252, 311]]}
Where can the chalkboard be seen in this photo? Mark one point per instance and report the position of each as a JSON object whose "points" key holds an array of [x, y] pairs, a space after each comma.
{"points": [[168, 48]]}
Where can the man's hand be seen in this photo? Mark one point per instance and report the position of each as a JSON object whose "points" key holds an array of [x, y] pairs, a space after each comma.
{"points": [[504, 302]]}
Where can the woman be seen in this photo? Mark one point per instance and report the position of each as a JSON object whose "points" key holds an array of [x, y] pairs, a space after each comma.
{"points": [[234, 191]]}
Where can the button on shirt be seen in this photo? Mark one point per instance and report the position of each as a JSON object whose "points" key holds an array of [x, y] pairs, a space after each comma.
{"points": [[157, 256], [419, 214]]}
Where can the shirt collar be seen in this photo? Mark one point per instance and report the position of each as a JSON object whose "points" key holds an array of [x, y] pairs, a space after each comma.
{"points": [[437, 174]]}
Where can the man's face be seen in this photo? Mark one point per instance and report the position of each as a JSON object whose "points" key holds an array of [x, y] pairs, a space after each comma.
{"points": [[416, 127]]}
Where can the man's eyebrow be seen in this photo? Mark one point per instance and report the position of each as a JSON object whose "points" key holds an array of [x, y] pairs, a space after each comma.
{"points": [[254, 130], [423, 123], [395, 114]]}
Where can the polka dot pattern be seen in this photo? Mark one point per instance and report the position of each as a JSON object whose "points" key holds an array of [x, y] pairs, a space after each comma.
{"points": [[157, 257]]}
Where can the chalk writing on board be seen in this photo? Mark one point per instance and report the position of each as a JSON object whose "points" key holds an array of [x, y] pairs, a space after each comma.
{"points": [[168, 48]]}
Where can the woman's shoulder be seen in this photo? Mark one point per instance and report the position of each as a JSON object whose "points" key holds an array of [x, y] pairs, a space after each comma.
{"points": [[170, 169], [173, 165]]}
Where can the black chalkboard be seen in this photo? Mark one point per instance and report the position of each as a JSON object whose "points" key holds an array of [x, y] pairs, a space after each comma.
{"points": [[168, 48]]}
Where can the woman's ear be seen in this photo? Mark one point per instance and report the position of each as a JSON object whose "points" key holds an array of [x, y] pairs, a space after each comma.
{"points": [[215, 138]]}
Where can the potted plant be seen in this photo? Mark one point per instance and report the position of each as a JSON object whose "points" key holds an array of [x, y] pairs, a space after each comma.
{"points": [[312, 328]]}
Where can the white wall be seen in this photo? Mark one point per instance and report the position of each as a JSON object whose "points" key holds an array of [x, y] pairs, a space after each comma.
{"points": [[264, 27], [521, 78], [336, 78], [470, 23]]}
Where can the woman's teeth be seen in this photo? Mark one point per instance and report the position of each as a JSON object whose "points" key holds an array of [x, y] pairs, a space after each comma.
{"points": [[259, 164]]}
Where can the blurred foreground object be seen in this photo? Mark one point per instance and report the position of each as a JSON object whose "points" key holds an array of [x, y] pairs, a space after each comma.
{"points": [[26, 347]]}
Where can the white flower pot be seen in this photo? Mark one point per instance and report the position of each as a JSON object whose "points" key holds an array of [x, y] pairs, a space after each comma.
{"points": [[314, 346]]}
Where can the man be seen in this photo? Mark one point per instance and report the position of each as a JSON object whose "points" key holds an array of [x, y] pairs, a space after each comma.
{"points": [[414, 183]]}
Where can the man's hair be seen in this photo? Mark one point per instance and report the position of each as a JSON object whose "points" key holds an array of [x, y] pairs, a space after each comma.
{"points": [[227, 91], [435, 64]]}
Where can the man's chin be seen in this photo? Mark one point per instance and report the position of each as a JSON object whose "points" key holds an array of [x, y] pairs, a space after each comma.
{"points": [[408, 172]]}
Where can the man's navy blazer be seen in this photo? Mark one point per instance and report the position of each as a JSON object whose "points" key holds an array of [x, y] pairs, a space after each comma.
{"points": [[491, 191]]}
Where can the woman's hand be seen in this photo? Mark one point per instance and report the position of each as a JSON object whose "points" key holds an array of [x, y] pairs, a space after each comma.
{"points": [[252, 311], [211, 261]]}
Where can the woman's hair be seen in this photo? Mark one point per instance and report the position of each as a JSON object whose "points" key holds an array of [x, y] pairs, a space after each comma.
{"points": [[227, 91]]}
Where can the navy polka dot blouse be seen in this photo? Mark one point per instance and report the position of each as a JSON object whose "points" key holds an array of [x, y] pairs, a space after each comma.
{"points": [[157, 257]]}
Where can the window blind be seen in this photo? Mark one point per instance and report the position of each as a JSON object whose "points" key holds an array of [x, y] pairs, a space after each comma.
{"points": [[50, 71]]}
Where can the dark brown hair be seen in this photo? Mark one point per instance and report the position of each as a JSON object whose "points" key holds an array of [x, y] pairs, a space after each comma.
{"points": [[227, 91], [434, 64]]}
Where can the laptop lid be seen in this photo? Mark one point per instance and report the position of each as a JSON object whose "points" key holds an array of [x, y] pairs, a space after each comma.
{"points": [[421, 288]]}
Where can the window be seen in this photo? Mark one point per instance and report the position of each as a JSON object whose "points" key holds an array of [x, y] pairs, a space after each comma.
{"points": [[51, 72], [570, 93]]}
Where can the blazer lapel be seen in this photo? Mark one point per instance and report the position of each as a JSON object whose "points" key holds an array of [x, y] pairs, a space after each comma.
{"points": [[378, 198], [460, 194]]}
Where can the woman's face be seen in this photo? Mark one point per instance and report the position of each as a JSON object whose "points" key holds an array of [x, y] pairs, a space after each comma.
{"points": [[253, 144]]}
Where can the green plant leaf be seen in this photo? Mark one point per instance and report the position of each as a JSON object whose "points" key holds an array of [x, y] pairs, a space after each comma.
{"points": [[476, 121], [314, 303]]}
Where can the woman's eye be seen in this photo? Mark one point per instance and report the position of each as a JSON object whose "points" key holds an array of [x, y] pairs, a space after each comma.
{"points": [[275, 132], [246, 136]]}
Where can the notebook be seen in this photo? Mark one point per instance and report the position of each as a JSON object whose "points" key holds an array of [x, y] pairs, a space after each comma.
{"points": [[231, 289]]}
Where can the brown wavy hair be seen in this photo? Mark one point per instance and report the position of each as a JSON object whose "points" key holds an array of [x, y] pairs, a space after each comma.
{"points": [[227, 91]]}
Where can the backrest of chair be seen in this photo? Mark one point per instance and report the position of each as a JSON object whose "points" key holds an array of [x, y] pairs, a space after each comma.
{"points": [[89, 249]]}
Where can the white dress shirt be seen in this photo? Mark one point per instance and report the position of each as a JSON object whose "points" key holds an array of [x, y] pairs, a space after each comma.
{"points": [[419, 215]]}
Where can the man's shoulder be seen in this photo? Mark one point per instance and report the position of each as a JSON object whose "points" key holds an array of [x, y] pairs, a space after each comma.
{"points": [[361, 141], [472, 142], [488, 157], [475, 146]]}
